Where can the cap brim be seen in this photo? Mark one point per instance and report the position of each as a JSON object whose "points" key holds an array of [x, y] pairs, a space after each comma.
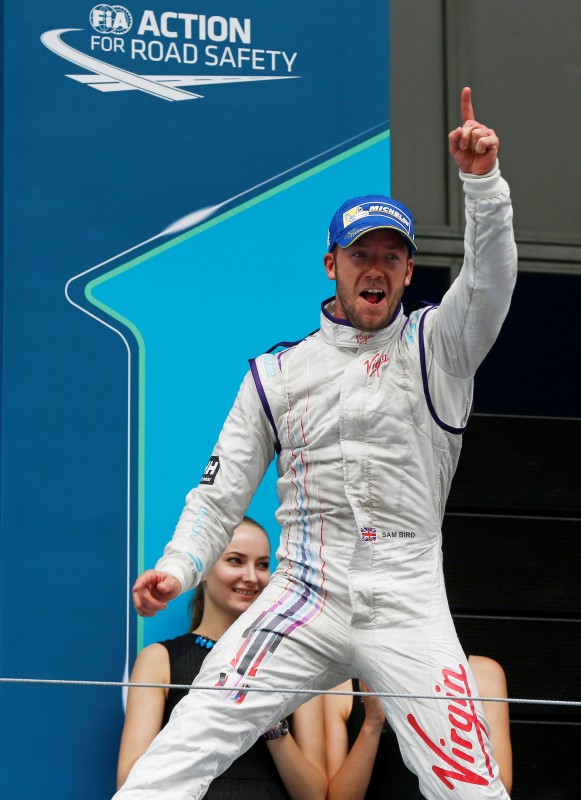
{"points": [[356, 231]]}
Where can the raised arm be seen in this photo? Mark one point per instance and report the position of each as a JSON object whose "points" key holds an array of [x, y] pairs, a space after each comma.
{"points": [[470, 316], [215, 507]]}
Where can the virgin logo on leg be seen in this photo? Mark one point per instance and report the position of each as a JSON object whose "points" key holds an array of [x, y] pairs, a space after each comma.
{"points": [[457, 754]]}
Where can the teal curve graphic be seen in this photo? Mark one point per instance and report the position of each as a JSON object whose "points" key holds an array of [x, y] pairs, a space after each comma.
{"points": [[198, 306]]}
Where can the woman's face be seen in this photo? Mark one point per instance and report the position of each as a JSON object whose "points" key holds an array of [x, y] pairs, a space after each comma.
{"points": [[241, 573]]}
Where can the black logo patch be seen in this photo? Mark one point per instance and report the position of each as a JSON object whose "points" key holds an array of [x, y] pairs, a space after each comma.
{"points": [[211, 471]]}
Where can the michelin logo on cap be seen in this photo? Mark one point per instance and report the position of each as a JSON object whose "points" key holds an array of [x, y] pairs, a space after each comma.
{"points": [[358, 212]]}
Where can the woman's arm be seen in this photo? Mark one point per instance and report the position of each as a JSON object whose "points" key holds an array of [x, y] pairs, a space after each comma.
{"points": [[145, 708], [300, 756], [491, 682], [350, 770]]}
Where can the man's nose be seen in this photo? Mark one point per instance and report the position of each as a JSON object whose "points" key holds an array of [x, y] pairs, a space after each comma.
{"points": [[374, 264]]}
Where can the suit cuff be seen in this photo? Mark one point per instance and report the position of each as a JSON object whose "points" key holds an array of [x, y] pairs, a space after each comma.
{"points": [[482, 186]]}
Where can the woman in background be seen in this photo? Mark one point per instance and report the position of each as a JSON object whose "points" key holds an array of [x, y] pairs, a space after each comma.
{"points": [[288, 761]]}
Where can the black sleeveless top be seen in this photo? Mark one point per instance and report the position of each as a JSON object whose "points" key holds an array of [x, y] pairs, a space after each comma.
{"points": [[254, 775], [390, 776]]}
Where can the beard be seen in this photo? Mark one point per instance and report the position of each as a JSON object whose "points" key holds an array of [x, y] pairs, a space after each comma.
{"points": [[360, 318]]}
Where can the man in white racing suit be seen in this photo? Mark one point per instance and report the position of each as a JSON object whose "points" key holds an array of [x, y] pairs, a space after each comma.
{"points": [[366, 417]]}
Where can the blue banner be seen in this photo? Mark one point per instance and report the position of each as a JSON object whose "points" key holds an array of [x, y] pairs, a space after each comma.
{"points": [[170, 172]]}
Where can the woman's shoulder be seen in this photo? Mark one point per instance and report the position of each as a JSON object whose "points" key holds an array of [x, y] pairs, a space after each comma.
{"points": [[151, 665], [489, 674], [485, 666]]}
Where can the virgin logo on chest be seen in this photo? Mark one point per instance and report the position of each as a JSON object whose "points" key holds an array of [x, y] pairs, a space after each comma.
{"points": [[375, 364]]}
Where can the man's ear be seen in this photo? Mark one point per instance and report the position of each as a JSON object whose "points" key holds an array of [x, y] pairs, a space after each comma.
{"points": [[329, 263], [409, 272]]}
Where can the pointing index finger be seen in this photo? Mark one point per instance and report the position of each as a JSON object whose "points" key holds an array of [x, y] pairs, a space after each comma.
{"points": [[467, 110]]}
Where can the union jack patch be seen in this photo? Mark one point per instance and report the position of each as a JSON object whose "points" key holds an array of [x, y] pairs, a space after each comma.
{"points": [[368, 534]]}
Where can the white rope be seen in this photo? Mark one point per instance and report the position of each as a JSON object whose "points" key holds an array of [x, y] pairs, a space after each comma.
{"points": [[288, 690]]}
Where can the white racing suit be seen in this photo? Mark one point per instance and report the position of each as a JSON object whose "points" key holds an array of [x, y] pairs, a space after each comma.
{"points": [[368, 428]]}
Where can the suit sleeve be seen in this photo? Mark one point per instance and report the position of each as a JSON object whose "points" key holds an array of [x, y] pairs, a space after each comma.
{"points": [[216, 507], [464, 328]]}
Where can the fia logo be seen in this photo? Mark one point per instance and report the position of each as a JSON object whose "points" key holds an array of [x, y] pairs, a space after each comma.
{"points": [[110, 19], [211, 471]]}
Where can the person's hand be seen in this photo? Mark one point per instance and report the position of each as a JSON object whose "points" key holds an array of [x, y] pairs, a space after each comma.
{"points": [[473, 145], [374, 713], [153, 590]]}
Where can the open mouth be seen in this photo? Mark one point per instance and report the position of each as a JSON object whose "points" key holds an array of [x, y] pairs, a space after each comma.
{"points": [[372, 296]]}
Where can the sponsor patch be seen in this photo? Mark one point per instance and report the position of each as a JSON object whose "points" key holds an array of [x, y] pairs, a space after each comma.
{"points": [[270, 366], [390, 211], [211, 471], [354, 213], [381, 209], [375, 363]]}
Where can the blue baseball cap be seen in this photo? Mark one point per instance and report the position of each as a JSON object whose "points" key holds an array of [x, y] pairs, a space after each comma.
{"points": [[361, 214]]}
